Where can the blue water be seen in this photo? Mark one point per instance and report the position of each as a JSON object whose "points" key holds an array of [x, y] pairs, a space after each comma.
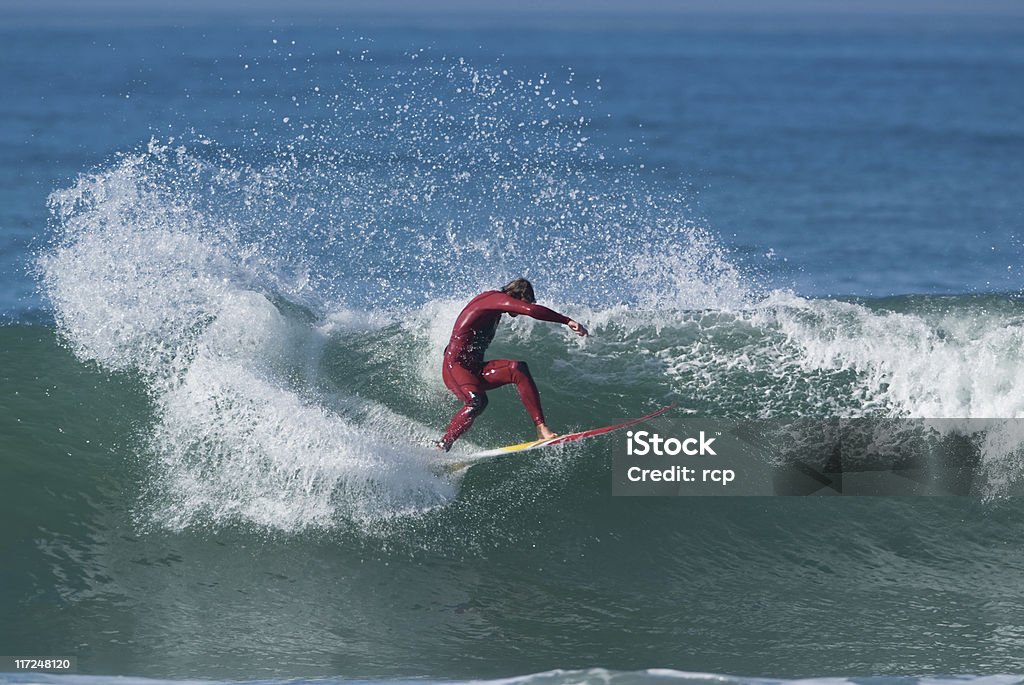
{"points": [[232, 248], [870, 160]]}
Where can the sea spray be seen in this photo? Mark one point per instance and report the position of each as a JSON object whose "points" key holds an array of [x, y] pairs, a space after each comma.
{"points": [[143, 283]]}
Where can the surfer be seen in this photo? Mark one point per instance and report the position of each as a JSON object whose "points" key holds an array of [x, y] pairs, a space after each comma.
{"points": [[469, 377]]}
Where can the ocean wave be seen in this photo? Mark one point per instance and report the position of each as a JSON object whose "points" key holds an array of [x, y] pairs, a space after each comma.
{"points": [[277, 407], [285, 309]]}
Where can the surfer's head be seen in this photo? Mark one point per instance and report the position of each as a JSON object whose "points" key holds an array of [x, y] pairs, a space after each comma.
{"points": [[521, 289]]}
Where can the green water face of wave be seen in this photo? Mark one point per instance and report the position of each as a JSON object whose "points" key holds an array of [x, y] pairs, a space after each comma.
{"points": [[277, 418], [104, 556]]}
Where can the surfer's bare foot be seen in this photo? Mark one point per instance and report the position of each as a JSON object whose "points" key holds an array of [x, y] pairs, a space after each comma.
{"points": [[545, 433]]}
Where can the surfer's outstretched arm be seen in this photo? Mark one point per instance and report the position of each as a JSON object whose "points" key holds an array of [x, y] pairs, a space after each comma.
{"points": [[512, 305]]}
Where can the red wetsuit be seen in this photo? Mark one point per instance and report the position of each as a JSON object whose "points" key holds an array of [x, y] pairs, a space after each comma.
{"points": [[466, 373]]}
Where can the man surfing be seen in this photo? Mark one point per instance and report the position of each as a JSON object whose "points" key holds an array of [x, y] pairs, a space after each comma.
{"points": [[469, 377]]}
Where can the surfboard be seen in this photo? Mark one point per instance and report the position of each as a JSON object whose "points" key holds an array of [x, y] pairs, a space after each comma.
{"points": [[464, 462]]}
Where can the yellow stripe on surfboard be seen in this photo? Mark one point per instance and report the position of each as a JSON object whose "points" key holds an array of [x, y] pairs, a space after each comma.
{"points": [[471, 459], [525, 445]]}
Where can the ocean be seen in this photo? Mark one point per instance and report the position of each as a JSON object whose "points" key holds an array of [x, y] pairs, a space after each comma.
{"points": [[233, 247]]}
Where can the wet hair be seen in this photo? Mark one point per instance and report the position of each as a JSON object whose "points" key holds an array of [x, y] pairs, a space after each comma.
{"points": [[521, 289]]}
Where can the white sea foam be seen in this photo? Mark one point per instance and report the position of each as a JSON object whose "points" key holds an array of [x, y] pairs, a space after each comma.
{"points": [[953, 364], [143, 284], [788, 356]]}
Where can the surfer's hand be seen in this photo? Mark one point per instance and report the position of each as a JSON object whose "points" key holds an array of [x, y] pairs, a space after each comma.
{"points": [[577, 328]]}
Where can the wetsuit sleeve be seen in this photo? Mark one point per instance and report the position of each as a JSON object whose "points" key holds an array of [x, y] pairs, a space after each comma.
{"points": [[513, 306]]}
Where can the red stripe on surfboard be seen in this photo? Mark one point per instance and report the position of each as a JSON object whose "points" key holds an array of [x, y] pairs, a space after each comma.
{"points": [[605, 429]]}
